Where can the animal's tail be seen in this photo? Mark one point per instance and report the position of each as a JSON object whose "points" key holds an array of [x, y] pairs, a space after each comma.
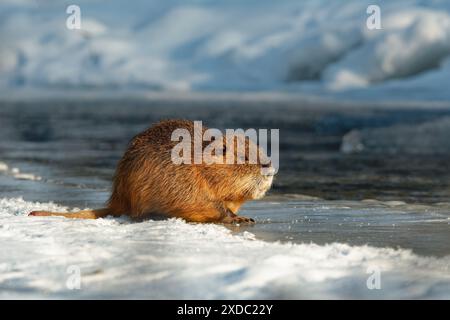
{"points": [[84, 214]]}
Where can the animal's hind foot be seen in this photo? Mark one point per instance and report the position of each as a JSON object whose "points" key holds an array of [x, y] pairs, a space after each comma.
{"points": [[245, 220], [235, 219]]}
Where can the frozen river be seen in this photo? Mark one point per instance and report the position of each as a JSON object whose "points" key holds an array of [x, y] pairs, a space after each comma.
{"points": [[332, 219]]}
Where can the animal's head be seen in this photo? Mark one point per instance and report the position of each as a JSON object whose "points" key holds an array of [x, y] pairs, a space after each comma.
{"points": [[237, 167]]}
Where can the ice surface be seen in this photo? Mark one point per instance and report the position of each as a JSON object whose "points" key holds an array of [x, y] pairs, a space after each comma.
{"points": [[301, 247], [174, 259], [308, 46], [430, 138]]}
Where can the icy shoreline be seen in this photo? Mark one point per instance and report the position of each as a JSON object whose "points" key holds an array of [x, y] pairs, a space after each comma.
{"points": [[173, 259]]}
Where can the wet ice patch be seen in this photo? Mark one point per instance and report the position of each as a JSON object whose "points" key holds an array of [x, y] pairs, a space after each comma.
{"points": [[430, 138], [175, 259]]}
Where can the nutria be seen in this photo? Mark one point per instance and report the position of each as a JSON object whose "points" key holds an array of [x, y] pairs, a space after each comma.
{"points": [[147, 182]]}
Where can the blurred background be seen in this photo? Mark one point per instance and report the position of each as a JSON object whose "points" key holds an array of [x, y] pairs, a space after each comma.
{"points": [[314, 46], [362, 113]]}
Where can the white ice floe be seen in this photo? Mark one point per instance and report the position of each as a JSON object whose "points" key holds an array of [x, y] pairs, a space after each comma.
{"points": [[307, 46], [174, 259], [15, 172], [3, 167]]}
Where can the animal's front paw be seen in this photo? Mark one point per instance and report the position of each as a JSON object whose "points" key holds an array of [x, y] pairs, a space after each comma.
{"points": [[238, 220]]}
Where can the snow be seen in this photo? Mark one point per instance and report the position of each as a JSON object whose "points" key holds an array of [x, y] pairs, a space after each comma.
{"points": [[319, 47], [173, 259], [417, 40]]}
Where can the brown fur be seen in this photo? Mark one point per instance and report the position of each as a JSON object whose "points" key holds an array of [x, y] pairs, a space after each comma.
{"points": [[148, 182]]}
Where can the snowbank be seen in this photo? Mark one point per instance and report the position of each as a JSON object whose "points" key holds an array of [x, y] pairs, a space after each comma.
{"points": [[307, 46], [173, 259]]}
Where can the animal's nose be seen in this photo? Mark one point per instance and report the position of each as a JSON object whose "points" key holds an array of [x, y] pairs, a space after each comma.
{"points": [[266, 165]]}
